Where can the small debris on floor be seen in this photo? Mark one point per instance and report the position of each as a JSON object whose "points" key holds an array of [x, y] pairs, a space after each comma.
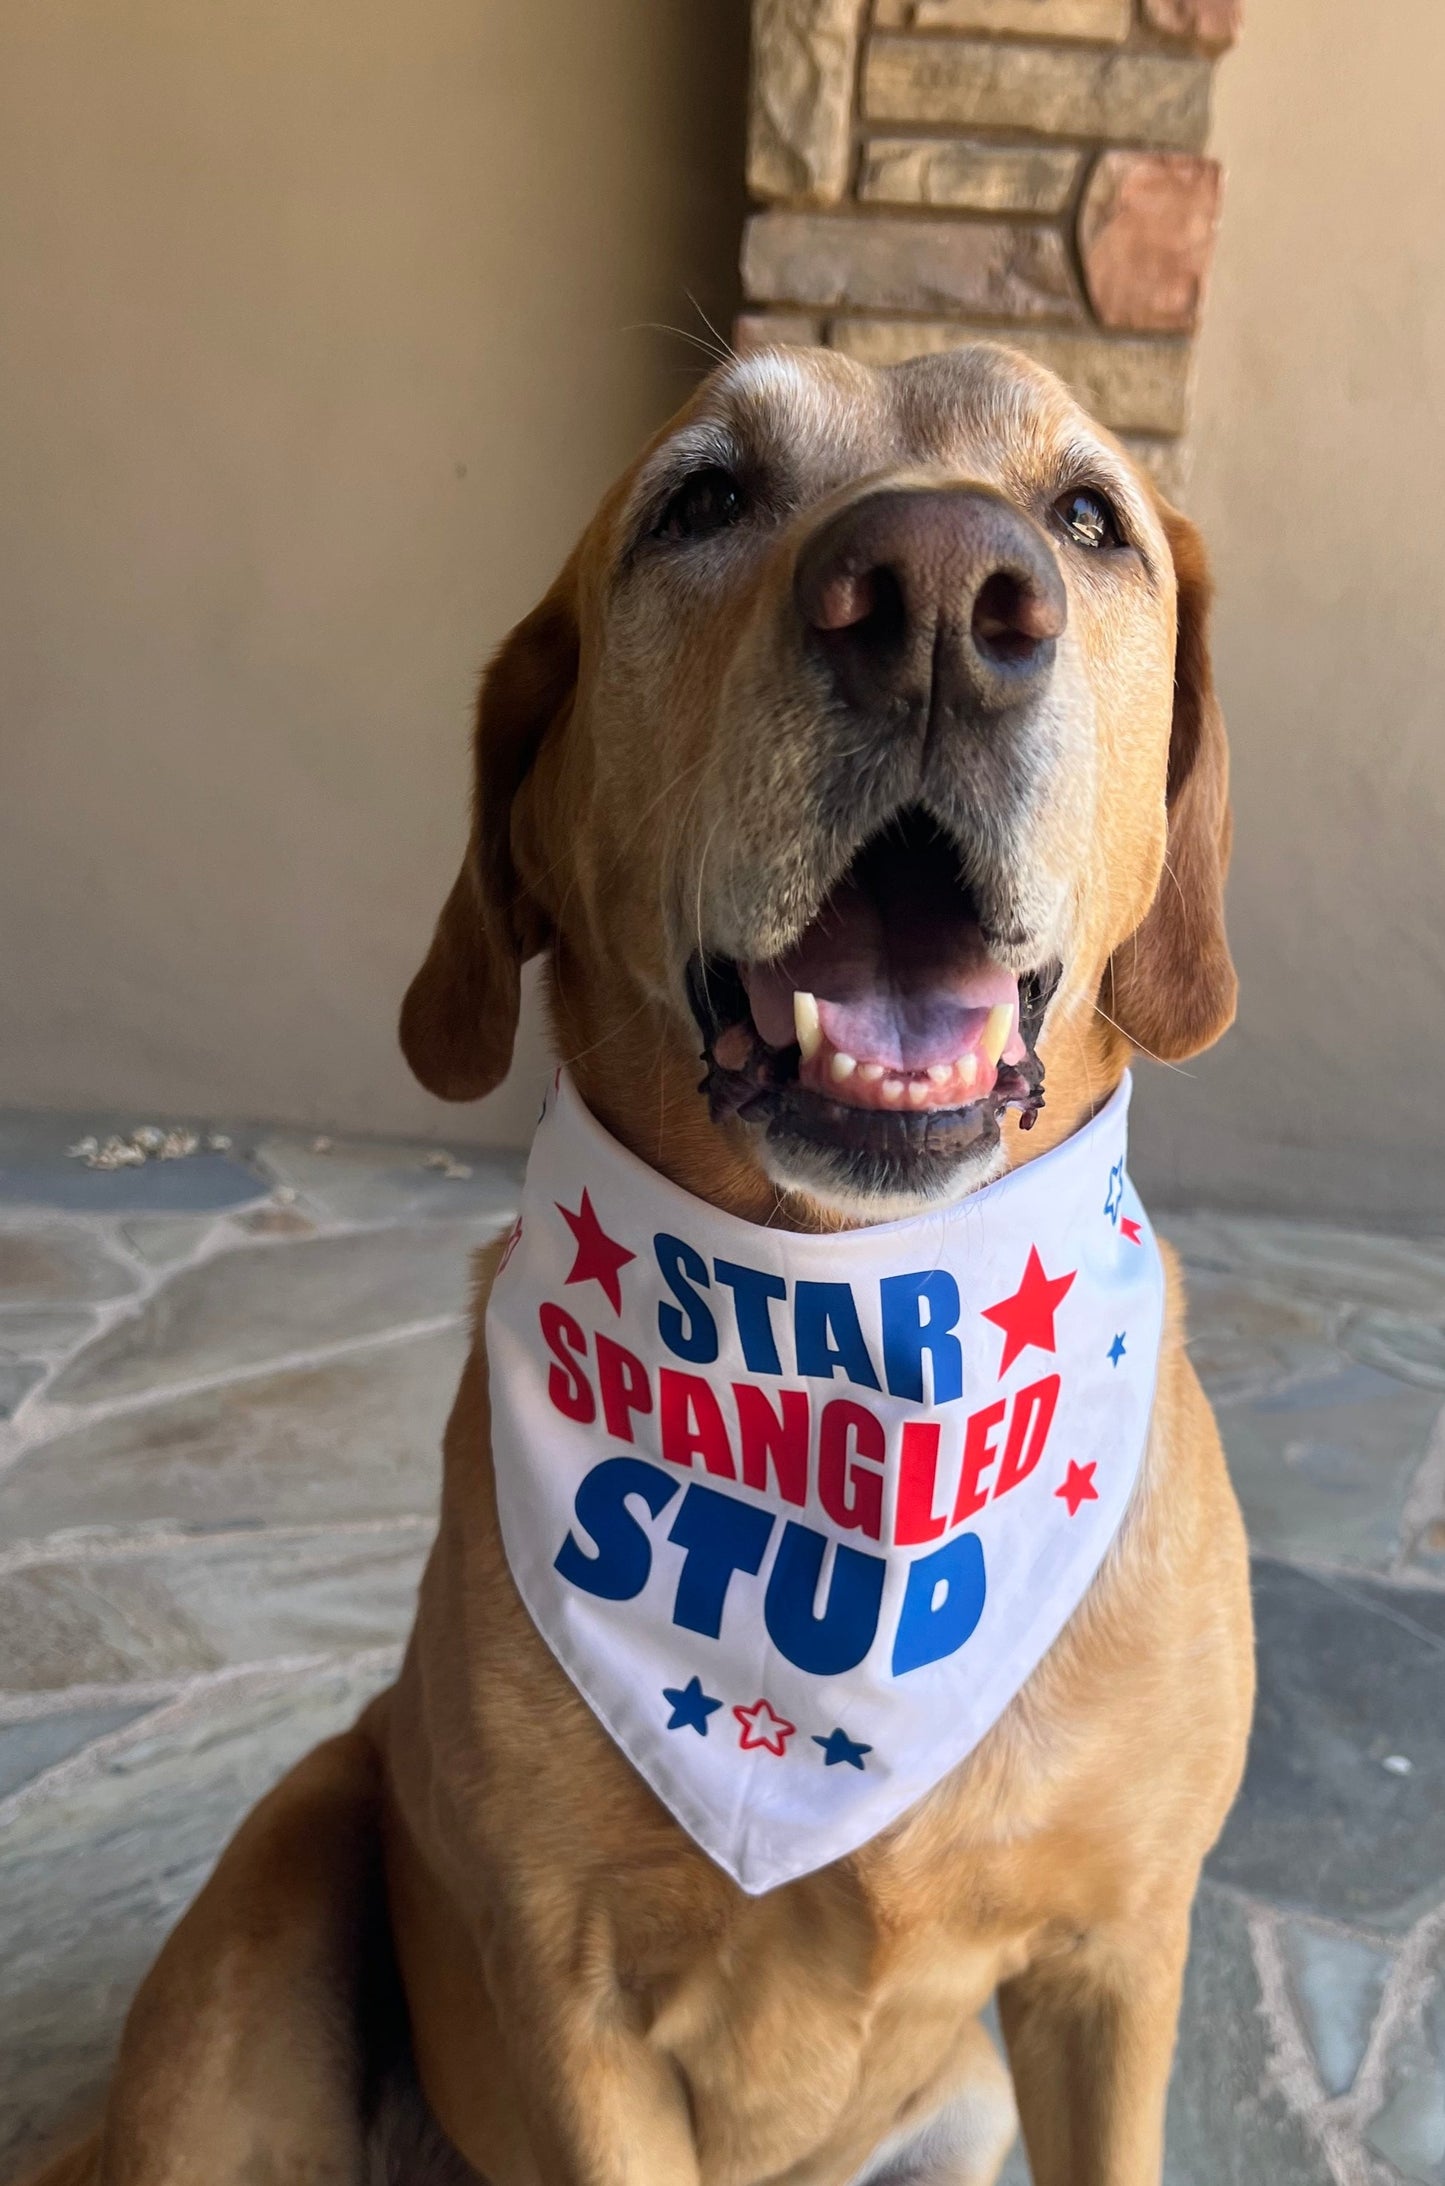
{"points": [[148, 1142], [1398, 1764], [321, 1145], [447, 1165]]}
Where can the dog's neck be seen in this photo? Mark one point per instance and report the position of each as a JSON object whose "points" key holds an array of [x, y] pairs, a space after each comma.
{"points": [[636, 1073]]}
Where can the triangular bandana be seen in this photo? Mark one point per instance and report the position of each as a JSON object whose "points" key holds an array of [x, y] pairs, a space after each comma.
{"points": [[799, 1515]]}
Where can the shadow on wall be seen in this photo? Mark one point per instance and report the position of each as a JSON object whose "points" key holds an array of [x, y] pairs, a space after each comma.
{"points": [[326, 327]]}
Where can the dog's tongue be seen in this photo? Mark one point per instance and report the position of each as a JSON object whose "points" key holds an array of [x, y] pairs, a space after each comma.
{"points": [[899, 971]]}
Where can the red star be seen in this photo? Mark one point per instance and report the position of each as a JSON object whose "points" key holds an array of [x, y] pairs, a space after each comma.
{"points": [[1131, 1229], [761, 1727], [1078, 1487], [1028, 1316], [599, 1257]]}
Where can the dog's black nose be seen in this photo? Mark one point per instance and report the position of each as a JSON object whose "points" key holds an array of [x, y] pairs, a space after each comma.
{"points": [[933, 599]]}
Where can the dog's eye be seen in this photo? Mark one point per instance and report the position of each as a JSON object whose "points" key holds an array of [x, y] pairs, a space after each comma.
{"points": [[708, 501], [1088, 518]]}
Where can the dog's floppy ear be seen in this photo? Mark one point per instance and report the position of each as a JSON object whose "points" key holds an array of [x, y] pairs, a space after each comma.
{"points": [[1171, 986], [459, 1018]]}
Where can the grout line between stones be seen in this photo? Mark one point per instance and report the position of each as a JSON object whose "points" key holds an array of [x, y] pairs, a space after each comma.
{"points": [[180, 1702], [1425, 1501], [1289, 2064], [221, 1235], [84, 1545], [49, 1421], [1407, 1987]]}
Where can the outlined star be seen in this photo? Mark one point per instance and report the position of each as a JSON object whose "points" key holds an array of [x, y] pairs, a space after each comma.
{"points": [[1114, 1197], [690, 1706], [759, 1726], [1116, 1350], [600, 1258], [1078, 1486], [838, 1746], [1028, 1316], [1131, 1229]]}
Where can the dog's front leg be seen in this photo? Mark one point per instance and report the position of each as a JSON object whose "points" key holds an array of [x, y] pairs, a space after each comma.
{"points": [[603, 2106], [1090, 2038]]}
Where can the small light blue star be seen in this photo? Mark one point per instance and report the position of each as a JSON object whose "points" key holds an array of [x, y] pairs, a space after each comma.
{"points": [[690, 1706], [1114, 1198], [838, 1746], [1116, 1349]]}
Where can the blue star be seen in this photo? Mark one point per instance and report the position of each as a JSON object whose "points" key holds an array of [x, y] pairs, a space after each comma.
{"points": [[838, 1746], [1114, 1199], [1116, 1349], [690, 1706]]}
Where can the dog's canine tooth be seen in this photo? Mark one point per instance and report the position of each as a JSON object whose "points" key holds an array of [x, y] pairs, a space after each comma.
{"points": [[870, 1073], [842, 1066], [806, 1025], [995, 1036]]}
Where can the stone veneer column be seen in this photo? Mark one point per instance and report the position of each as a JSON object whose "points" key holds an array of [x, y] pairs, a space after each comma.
{"points": [[1027, 170]]}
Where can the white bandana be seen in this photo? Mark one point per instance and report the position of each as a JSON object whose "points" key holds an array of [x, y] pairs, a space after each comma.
{"points": [[799, 1515]]}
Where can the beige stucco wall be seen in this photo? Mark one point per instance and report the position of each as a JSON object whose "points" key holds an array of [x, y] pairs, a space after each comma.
{"points": [[321, 329], [320, 337], [1319, 477]]}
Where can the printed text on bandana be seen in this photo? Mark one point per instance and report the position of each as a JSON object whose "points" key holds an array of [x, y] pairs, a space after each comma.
{"points": [[778, 1481]]}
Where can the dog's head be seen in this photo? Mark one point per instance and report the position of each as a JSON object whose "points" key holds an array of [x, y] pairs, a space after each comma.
{"points": [[866, 748]]}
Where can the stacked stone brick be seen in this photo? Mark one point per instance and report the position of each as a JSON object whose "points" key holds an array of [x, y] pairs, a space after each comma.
{"points": [[1032, 171]]}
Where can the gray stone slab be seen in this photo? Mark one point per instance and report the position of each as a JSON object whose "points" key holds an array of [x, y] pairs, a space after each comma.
{"points": [[93, 1877], [1336, 1982], [264, 1301], [29, 1748], [340, 1593], [1405, 1345], [359, 1180], [162, 1239], [138, 1615], [73, 1625], [355, 1437], [1247, 1339], [35, 1170], [1350, 1676], [1363, 1269], [59, 1263], [1228, 2123], [1323, 1467], [17, 1378], [42, 1332]]}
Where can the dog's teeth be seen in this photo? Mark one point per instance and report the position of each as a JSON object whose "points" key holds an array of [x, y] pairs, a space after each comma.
{"points": [[805, 1024], [870, 1073], [842, 1066], [918, 1091], [940, 1073], [892, 1089], [995, 1036], [967, 1068]]}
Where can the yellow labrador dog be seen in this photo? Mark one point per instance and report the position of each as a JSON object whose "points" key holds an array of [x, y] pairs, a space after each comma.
{"points": [[919, 659]]}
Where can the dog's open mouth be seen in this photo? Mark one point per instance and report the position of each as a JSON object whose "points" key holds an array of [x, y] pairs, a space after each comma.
{"points": [[889, 1029]]}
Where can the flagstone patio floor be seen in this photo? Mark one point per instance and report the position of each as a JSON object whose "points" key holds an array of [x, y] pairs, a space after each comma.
{"points": [[223, 1379]]}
